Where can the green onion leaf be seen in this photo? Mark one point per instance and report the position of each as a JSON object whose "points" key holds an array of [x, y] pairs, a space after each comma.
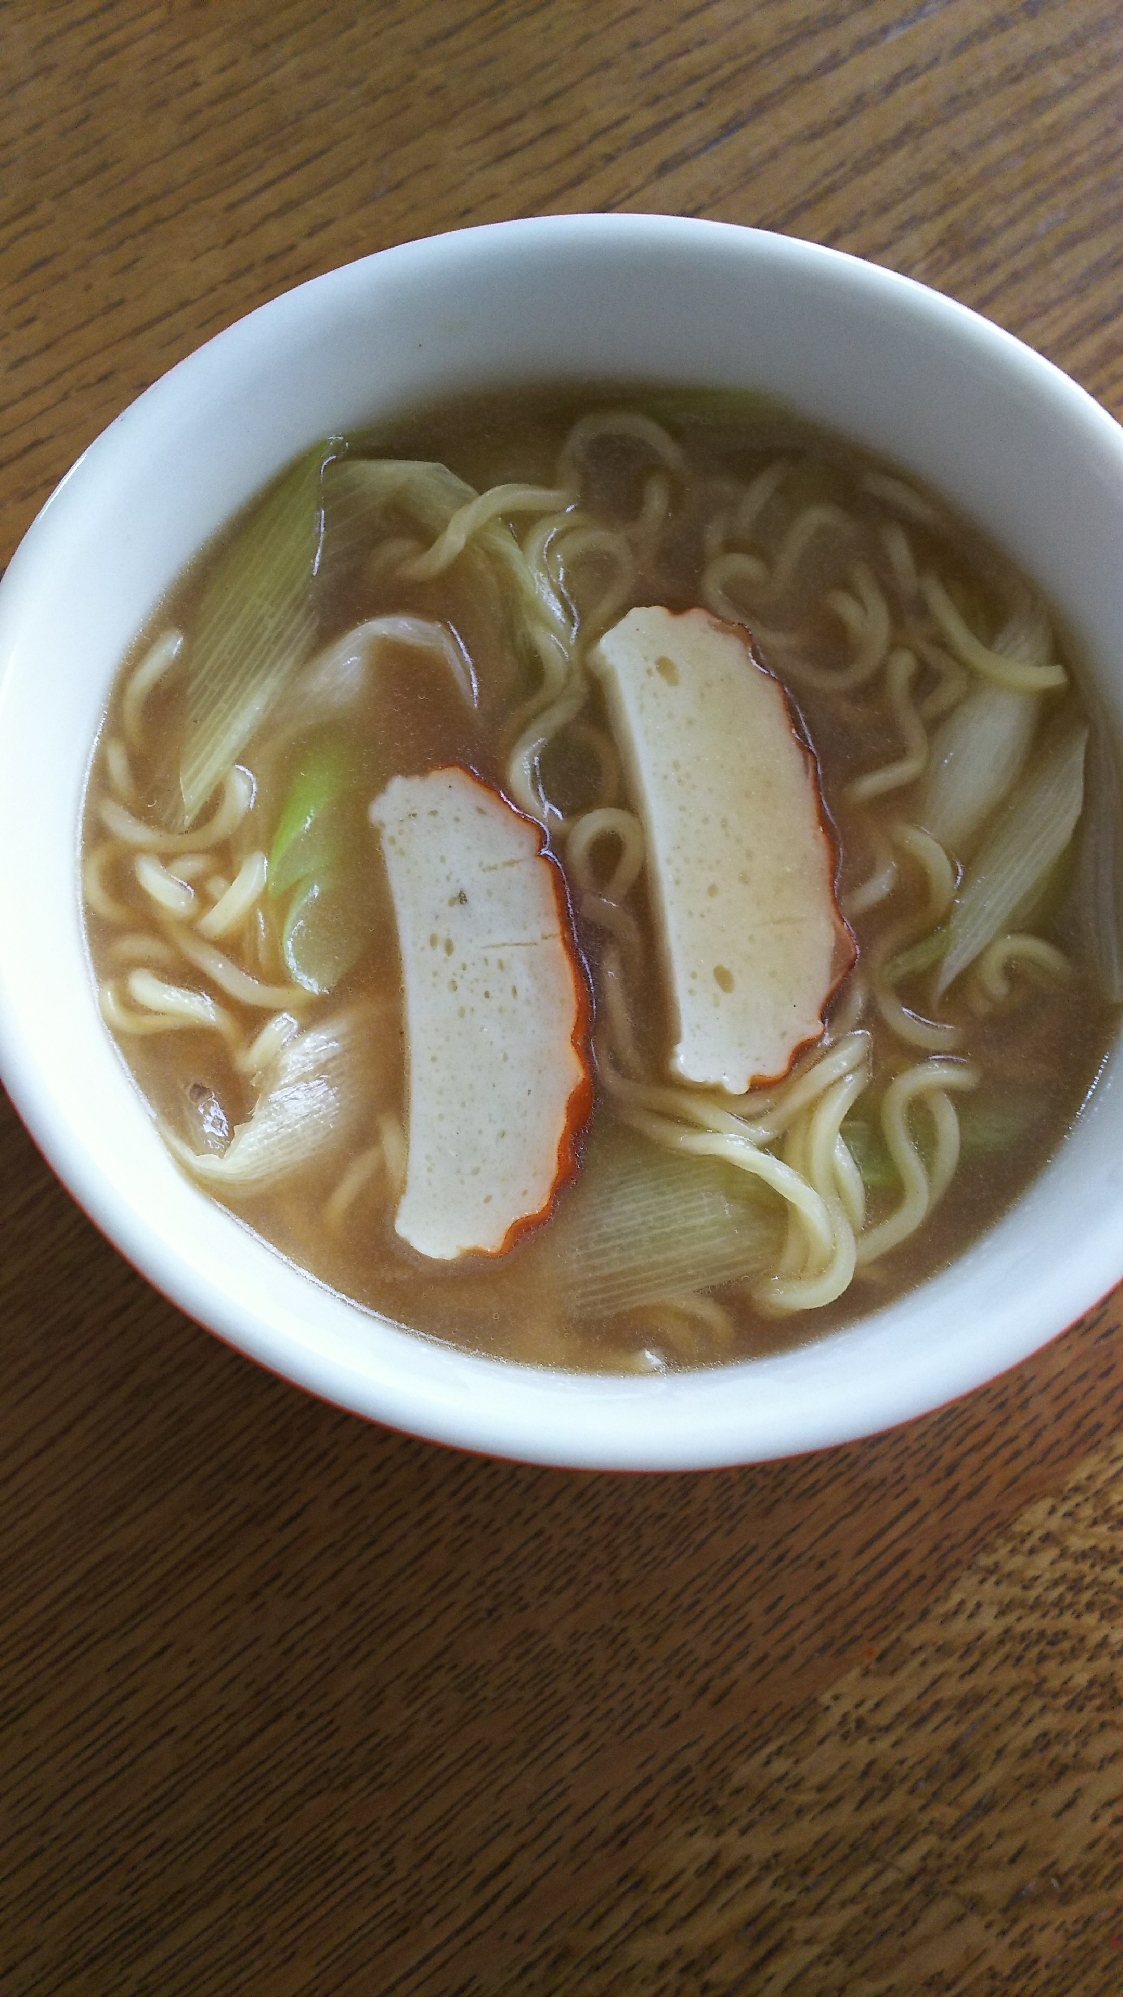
{"points": [[322, 850], [329, 924], [311, 831]]}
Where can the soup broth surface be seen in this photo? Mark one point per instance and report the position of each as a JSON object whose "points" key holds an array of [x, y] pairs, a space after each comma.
{"points": [[843, 572]]}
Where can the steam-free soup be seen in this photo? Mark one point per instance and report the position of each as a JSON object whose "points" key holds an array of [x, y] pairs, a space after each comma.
{"points": [[489, 930]]}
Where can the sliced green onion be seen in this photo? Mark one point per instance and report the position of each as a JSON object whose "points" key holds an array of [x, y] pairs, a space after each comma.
{"points": [[317, 1094], [918, 957], [645, 1223], [310, 832], [322, 850], [1030, 833], [974, 759], [255, 626], [1097, 920], [329, 924]]}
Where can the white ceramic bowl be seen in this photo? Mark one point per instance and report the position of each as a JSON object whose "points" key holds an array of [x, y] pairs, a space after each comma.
{"points": [[1006, 437]]}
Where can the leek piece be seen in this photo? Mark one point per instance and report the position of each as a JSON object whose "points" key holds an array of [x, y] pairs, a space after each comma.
{"points": [[362, 496], [1029, 834], [645, 1223], [318, 1093], [867, 1146], [988, 1128], [336, 679], [320, 849], [974, 760], [329, 924], [310, 830], [1040, 906], [255, 626], [1097, 921], [918, 957]]}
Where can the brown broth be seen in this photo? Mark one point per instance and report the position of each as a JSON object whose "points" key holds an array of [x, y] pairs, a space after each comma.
{"points": [[1038, 1059]]}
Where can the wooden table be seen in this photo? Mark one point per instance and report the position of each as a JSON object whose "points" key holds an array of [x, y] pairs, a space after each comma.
{"points": [[293, 1705]]}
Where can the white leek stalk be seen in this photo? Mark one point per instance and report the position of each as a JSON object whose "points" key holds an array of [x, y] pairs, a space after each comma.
{"points": [[364, 496], [645, 1223], [973, 760], [1030, 833], [1097, 899], [255, 626], [316, 1094]]}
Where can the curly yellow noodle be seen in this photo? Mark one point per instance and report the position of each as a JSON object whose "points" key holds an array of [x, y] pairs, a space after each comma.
{"points": [[868, 621], [606, 823], [850, 1009], [851, 1185], [358, 1175], [522, 770], [820, 1138], [494, 504], [808, 526], [140, 949], [237, 797], [733, 569], [902, 561], [990, 981], [118, 770], [930, 1078], [231, 979], [173, 896], [97, 895], [166, 1008], [574, 545], [156, 663], [903, 498], [900, 671], [232, 908], [876, 888], [619, 922], [627, 423], [970, 651], [620, 1033], [264, 1048], [933, 1035], [953, 681], [757, 495]]}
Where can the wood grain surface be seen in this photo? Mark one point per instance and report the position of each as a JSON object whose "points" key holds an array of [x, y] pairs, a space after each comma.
{"points": [[290, 1704]]}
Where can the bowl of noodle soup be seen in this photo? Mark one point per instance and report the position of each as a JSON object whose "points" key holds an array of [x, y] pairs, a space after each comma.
{"points": [[540, 427]]}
